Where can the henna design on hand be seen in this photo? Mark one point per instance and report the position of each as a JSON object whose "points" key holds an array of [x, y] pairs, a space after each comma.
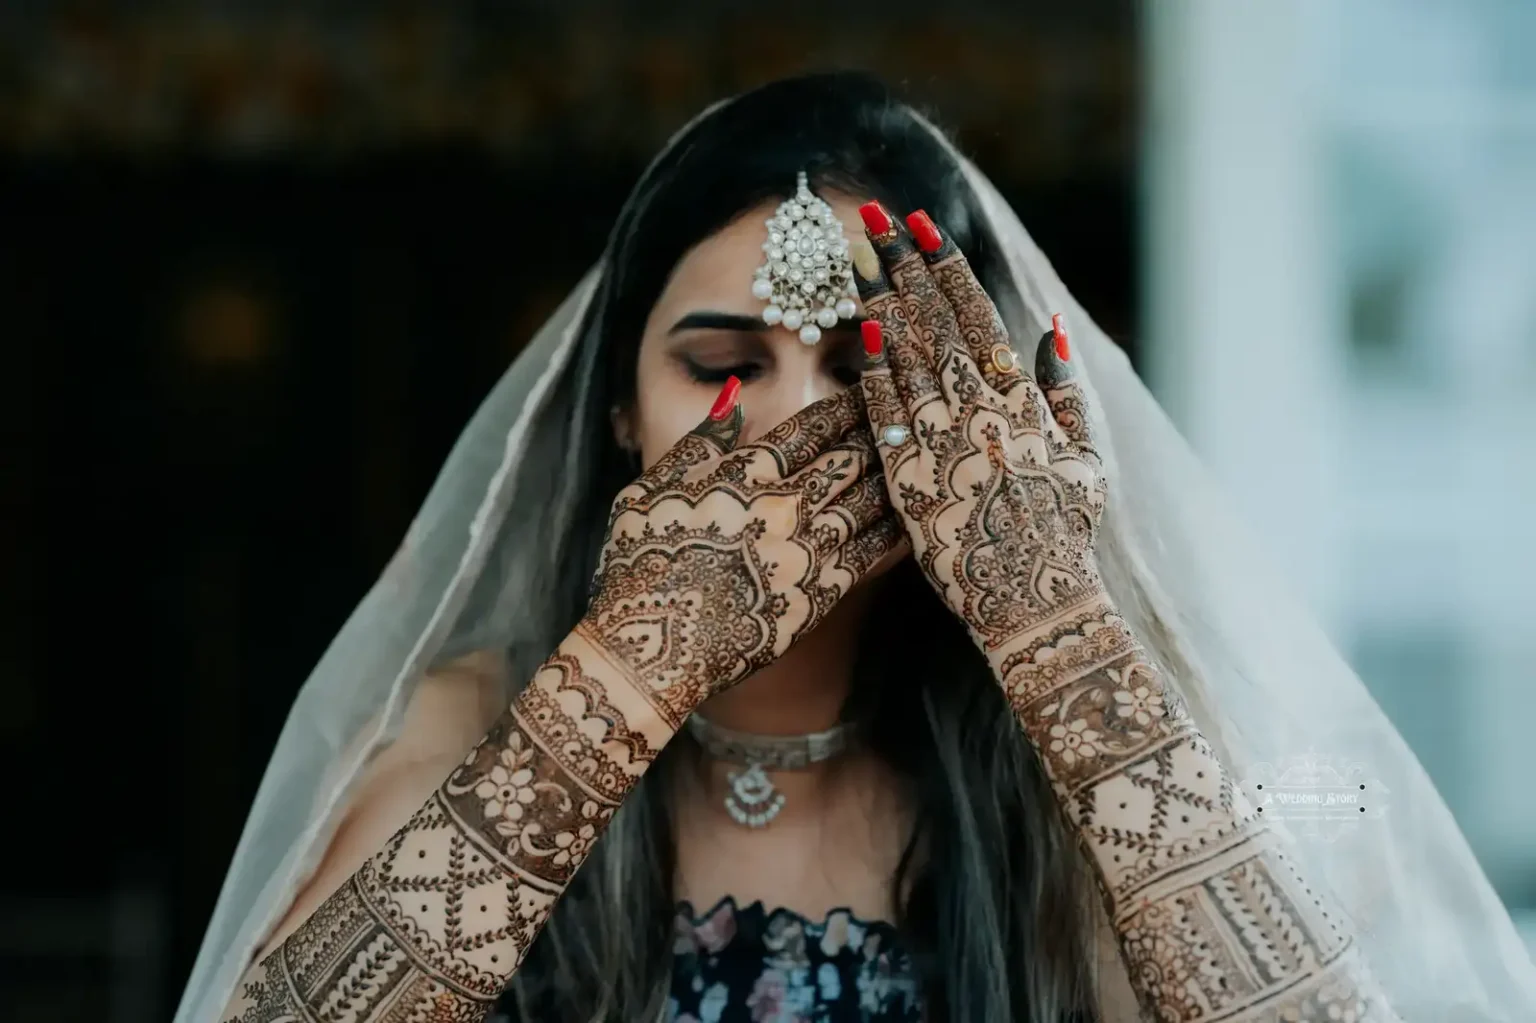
{"points": [[719, 558], [1001, 492], [712, 572], [1000, 503], [433, 925]]}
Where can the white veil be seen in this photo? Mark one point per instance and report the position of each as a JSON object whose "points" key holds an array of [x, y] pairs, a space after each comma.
{"points": [[1262, 680]]}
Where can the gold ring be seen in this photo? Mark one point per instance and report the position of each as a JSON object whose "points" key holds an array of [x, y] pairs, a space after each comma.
{"points": [[1003, 360]]}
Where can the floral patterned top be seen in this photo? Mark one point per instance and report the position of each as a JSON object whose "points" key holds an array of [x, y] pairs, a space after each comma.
{"points": [[748, 965]]}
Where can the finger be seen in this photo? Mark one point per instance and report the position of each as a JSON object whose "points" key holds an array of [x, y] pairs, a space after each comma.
{"points": [[912, 371], [908, 272], [806, 435], [852, 512], [931, 317], [843, 466], [889, 421], [1063, 394], [716, 435], [868, 546], [980, 327]]}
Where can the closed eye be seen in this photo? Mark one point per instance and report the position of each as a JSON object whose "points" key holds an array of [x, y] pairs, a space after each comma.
{"points": [[718, 374]]}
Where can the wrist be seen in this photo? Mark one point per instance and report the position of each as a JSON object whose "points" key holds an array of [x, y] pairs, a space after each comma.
{"points": [[1051, 643], [609, 679]]}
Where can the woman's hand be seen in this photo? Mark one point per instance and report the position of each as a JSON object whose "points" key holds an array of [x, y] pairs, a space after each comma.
{"points": [[992, 470], [996, 479], [721, 556]]}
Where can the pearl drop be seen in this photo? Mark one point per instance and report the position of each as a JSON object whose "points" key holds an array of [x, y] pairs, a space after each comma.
{"points": [[772, 315], [810, 334], [762, 288], [845, 308], [793, 318], [826, 317]]}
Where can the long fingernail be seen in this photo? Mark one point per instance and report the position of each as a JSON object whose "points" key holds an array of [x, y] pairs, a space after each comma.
{"points": [[864, 259], [876, 220], [923, 230], [727, 400], [1063, 347], [874, 345]]}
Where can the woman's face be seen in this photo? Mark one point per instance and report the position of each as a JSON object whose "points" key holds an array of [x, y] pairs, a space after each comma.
{"points": [[706, 326]]}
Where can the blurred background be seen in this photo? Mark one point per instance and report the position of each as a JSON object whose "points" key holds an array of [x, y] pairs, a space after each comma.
{"points": [[259, 263]]}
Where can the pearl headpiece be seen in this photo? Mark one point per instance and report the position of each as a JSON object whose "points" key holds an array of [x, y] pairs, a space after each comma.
{"points": [[805, 276]]}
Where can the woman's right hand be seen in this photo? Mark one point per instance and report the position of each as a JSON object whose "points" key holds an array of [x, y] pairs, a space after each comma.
{"points": [[720, 556]]}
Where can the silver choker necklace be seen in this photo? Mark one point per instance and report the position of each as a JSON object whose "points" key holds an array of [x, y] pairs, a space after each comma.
{"points": [[753, 801]]}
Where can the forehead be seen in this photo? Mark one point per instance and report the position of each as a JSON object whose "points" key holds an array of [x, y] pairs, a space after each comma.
{"points": [[717, 272]]}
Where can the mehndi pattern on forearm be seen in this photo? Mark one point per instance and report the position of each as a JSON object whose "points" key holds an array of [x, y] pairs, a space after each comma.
{"points": [[1001, 489], [432, 926], [717, 560], [1212, 916]]}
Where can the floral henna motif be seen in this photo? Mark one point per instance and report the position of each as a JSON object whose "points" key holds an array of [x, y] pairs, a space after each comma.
{"points": [[1001, 494], [716, 562], [711, 574], [1213, 917], [684, 610], [432, 925]]}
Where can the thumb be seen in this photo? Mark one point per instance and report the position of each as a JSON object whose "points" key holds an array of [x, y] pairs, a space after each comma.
{"points": [[715, 436], [722, 427], [1057, 377]]}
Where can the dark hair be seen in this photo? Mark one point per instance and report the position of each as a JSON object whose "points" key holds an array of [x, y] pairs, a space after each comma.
{"points": [[993, 889]]}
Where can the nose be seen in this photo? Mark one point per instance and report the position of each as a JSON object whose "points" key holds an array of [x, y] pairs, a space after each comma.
{"points": [[798, 380]]}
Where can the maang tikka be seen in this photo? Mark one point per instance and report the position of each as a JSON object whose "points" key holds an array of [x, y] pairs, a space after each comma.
{"points": [[805, 275]]}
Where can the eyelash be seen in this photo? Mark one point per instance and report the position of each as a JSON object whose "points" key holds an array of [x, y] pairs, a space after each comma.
{"points": [[746, 371], [749, 371]]}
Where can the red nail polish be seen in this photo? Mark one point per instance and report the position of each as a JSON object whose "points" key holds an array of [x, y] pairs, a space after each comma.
{"points": [[727, 400], [1063, 349], [873, 345], [875, 218], [922, 228]]}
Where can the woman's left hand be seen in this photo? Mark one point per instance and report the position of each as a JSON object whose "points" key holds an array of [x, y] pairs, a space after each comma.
{"points": [[991, 470]]}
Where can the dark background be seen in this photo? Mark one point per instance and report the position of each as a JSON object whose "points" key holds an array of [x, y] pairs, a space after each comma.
{"points": [[258, 264]]}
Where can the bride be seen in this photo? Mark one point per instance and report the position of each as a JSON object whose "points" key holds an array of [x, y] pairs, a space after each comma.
{"points": [[826, 649]]}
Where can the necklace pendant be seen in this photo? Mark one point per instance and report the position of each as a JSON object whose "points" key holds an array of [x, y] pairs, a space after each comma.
{"points": [[753, 801]]}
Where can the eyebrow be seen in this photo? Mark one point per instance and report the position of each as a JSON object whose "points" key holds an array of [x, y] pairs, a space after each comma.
{"points": [[707, 319]]}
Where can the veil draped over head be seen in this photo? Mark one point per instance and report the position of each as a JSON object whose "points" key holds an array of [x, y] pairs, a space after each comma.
{"points": [[1264, 684]]}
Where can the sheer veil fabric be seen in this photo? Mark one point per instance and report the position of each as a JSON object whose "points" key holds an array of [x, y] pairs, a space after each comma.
{"points": [[1264, 683]]}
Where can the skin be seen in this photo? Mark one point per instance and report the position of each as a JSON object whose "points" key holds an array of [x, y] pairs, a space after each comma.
{"points": [[801, 862], [836, 841], [1001, 491], [731, 585], [726, 552]]}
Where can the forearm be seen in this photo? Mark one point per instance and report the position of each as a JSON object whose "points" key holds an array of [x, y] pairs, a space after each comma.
{"points": [[1210, 913], [436, 922]]}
